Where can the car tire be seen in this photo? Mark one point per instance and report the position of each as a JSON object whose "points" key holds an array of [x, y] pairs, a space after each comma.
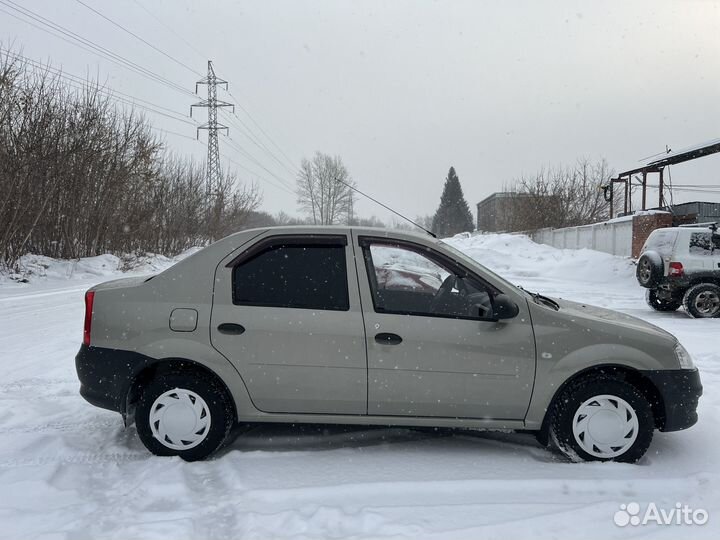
{"points": [[187, 414], [661, 304], [601, 418], [702, 301], [650, 270]]}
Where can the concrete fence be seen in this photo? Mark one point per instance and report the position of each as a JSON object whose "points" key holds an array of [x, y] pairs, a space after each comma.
{"points": [[621, 236]]}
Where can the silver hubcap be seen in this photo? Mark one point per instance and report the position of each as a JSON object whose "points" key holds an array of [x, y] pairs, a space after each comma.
{"points": [[605, 426], [645, 271], [707, 303], [180, 419]]}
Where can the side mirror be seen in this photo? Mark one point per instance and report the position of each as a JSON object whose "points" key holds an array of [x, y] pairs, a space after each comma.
{"points": [[504, 308]]}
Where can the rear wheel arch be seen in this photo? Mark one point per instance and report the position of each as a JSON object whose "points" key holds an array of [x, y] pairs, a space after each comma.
{"points": [[706, 279], [618, 371], [170, 365]]}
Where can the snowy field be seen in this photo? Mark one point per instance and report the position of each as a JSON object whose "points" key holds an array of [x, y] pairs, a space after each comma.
{"points": [[70, 470]]}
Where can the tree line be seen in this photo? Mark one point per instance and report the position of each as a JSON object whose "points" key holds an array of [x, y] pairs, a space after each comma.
{"points": [[80, 176]]}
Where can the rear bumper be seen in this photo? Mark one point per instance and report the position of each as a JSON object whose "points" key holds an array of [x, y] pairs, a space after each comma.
{"points": [[680, 391], [106, 375]]}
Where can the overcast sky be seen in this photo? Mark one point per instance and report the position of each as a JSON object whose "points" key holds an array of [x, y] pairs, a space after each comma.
{"points": [[403, 90]]}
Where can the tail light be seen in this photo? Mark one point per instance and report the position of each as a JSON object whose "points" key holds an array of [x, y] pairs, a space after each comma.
{"points": [[676, 269], [89, 297]]}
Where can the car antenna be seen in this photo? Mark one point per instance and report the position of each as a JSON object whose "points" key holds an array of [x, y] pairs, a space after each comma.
{"points": [[388, 208]]}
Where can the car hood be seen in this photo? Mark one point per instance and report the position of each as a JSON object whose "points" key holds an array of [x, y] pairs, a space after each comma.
{"points": [[578, 310]]}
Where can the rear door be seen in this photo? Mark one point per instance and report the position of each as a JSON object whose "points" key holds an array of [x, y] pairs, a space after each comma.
{"points": [[287, 313]]}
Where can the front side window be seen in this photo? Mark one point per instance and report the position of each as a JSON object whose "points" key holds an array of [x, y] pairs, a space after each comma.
{"points": [[294, 276], [404, 280]]}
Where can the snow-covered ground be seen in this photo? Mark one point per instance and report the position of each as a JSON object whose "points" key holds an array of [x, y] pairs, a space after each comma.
{"points": [[70, 470]]}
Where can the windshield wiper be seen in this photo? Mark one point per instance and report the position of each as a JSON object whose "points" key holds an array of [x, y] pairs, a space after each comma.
{"points": [[542, 300]]}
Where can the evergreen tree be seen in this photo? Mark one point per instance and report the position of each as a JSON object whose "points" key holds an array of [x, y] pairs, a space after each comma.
{"points": [[453, 215]]}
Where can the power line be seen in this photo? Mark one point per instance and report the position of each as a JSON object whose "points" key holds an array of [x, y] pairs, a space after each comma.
{"points": [[133, 34], [88, 45], [262, 130], [279, 186], [57, 30], [169, 132], [170, 29], [231, 142], [245, 130], [80, 83], [213, 156]]}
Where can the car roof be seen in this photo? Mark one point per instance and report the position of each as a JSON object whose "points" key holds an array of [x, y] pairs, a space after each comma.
{"points": [[678, 229], [329, 229]]}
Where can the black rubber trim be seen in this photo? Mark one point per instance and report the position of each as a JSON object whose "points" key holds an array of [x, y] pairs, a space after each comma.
{"points": [[288, 239], [106, 375], [680, 390]]}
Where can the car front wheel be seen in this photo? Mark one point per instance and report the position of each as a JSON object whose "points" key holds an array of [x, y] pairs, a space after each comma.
{"points": [[184, 414], [602, 418]]}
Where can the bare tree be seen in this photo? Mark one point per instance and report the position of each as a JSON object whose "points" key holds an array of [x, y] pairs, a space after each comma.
{"points": [[82, 176], [557, 197], [323, 189]]}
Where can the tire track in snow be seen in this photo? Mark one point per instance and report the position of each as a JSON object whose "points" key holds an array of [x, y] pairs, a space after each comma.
{"points": [[16, 297], [61, 427], [78, 459]]}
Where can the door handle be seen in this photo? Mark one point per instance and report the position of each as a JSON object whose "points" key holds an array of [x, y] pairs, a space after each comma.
{"points": [[231, 329], [385, 338]]}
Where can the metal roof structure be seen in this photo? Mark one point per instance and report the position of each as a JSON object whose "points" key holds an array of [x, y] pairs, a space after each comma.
{"points": [[656, 166], [679, 156]]}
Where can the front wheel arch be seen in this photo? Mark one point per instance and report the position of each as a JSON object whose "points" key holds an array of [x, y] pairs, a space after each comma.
{"points": [[627, 374]]}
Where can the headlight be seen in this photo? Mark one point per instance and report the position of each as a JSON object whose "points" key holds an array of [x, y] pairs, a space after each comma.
{"points": [[684, 358]]}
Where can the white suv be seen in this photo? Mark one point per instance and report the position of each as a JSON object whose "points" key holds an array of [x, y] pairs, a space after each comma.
{"points": [[681, 266]]}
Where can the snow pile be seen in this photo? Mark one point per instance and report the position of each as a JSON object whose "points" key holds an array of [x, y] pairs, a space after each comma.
{"points": [[39, 268], [517, 258], [32, 267]]}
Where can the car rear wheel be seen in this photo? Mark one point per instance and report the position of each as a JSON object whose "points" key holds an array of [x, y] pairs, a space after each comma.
{"points": [[184, 414], [650, 270], [702, 301], [602, 418], [661, 304]]}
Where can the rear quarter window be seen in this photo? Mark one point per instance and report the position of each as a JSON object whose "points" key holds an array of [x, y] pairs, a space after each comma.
{"points": [[661, 241]]}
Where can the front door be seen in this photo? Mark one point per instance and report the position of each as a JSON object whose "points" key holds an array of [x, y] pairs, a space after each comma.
{"points": [[287, 314], [432, 350]]}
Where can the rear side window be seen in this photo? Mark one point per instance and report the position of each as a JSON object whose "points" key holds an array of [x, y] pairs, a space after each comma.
{"points": [[294, 276], [702, 243], [662, 242]]}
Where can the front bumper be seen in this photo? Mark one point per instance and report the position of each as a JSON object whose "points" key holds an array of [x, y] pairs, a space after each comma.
{"points": [[680, 391], [106, 375]]}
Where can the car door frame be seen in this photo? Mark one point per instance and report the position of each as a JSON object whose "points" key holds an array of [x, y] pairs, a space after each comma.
{"points": [[361, 237], [224, 286]]}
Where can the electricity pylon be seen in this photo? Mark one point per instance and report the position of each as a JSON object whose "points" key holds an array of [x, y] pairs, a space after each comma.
{"points": [[212, 127]]}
